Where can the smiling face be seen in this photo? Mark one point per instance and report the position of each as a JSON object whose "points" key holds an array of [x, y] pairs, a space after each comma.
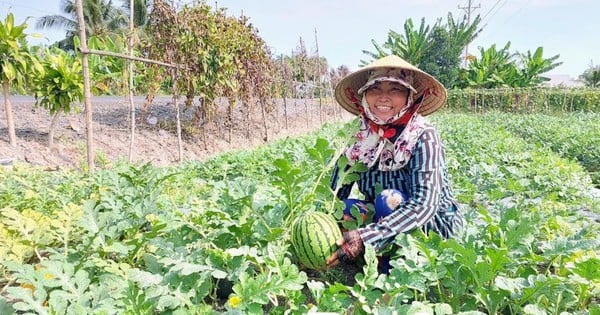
{"points": [[386, 99]]}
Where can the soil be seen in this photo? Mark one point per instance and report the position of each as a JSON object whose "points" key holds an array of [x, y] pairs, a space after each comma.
{"points": [[155, 138]]}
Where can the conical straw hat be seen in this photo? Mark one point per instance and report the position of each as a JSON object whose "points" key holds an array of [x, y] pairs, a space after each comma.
{"points": [[346, 89]]}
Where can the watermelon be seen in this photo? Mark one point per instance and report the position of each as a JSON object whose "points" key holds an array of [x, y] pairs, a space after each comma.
{"points": [[313, 238]]}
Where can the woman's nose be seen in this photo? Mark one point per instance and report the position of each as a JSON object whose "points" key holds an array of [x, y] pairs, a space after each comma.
{"points": [[385, 95]]}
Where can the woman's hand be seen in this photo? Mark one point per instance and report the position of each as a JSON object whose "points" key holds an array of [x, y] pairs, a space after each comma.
{"points": [[350, 246]]}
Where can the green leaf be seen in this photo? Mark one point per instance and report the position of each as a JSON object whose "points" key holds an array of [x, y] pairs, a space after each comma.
{"points": [[588, 269], [321, 151], [144, 279], [418, 308], [27, 301], [443, 309], [9, 71], [6, 308], [531, 309]]}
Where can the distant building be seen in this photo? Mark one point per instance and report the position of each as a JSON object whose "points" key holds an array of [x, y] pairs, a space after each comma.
{"points": [[562, 80]]}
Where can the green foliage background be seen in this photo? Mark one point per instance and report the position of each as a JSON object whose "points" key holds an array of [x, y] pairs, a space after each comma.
{"points": [[525, 100]]}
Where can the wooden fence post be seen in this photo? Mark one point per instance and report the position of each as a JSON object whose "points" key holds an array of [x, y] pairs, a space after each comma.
{"points": [[86, 87]]}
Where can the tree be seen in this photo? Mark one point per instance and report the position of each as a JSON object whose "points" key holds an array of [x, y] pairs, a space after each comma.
{"points": [[299, 62], [216, 56], [591, 76], [449, 42], [16, 65], [443, 60], [338, 74], [305, 69], [60, 85], [101, 18], [437, 50]]}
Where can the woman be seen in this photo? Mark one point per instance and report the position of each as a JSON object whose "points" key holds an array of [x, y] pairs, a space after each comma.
{"points": [[406, 180]]}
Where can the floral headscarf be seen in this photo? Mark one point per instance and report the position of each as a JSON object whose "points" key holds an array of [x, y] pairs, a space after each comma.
{"points": [[390, 143]]}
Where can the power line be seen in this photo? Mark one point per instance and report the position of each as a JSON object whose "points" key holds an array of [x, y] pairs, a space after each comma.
{"points": [[492, 9], [522, 5], [483, 19]]}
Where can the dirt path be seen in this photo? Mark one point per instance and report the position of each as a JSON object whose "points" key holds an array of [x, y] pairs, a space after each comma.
{"points": [[156, 137]]}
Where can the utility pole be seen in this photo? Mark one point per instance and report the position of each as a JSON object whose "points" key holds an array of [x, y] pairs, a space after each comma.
{"points": [[468, 10]]}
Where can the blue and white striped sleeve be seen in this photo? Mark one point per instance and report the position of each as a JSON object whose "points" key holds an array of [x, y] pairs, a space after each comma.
{"points": [[426, 181]]}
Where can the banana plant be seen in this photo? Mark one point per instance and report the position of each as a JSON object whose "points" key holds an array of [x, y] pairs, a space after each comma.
{"points": [[436, 49], [495, 68], [109, 73], [17, 65], [413, 45], [534, 65], [463, 32]]}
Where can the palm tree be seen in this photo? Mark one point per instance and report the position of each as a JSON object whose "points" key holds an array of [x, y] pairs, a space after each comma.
{"points": [[101, 18], [591, 76], [141, 12]]}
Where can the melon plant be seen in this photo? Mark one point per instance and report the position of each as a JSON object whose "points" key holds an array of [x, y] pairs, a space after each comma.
{"points": [[313, 238]]}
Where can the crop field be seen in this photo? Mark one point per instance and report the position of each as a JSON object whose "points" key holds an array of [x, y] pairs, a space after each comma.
{"points": [[213, 237]]}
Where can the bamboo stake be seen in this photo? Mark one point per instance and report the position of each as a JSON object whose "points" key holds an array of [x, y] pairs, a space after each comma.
{"points": [[176, 103], [264, 119], [86, 87], [306, 112], [230, 120], [130, 69], [177, 113], [284, 92], [285, 112], [248, 118], [118, 55]]}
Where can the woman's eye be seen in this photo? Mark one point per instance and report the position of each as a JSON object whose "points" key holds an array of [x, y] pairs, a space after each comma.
{"points": [[390, 91]]}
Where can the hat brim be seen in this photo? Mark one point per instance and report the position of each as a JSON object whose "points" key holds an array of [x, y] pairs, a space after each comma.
{"points": [[347, 96]]}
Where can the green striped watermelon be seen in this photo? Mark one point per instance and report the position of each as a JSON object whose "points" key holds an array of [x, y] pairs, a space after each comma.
{"points": [[313, 237]]}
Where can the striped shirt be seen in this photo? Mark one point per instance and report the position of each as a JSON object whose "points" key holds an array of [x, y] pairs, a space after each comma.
{"points": [[431, 205]]}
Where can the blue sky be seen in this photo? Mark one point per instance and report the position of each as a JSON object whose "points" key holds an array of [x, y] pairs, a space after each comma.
{"points": [[344, 28]]}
